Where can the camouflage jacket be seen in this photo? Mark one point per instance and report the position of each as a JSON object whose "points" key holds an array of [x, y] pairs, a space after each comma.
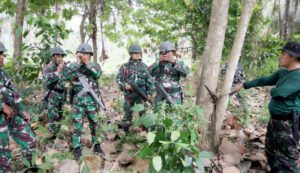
{"points": [[8, 88], [134, 71], [239, 74], [54, 80], [169, 75], [92, 72]]}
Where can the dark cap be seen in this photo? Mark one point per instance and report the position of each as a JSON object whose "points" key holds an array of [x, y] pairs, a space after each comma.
{"points": [[293, 48]]}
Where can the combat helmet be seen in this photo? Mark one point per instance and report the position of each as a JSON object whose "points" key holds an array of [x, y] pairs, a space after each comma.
{"points": [[85, 48], [2, 47], [57, 51], [134, 48], [166, 47]]}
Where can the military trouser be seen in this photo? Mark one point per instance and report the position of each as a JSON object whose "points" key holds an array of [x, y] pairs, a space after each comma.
{"points": [[281, 147], [128, 104], [55, 114], [21, 133], [79, 112]]}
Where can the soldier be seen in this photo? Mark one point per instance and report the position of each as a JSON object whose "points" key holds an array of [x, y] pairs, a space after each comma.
{"points": [[84, 105], [239, 75], [56, 94], [168, 72], [133, 72], [19, 128], [282, 132]]}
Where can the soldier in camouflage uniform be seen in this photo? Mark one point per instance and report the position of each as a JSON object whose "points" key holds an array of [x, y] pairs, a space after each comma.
{"points": [[19, 129], [168, 72], [239, 75], [56, 94], [84, 106], [133, 71], [282, 137]]}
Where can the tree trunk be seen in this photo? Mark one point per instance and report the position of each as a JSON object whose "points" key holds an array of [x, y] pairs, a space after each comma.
{"points": [[57, 7], [194, 50], [293, 20], [19, 24], [280, 21], [104, 56], [81, 27], [210, 70], [233, 61], [92, 19], [18, 38], [286, 19]]}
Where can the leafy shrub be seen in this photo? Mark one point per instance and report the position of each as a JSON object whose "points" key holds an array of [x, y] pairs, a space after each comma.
{"points": [[173, 146]]}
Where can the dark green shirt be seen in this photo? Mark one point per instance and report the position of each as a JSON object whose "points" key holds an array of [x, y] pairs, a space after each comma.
{"points": [[286, 95]]}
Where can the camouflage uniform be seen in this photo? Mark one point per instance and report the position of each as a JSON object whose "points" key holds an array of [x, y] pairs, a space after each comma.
{"points": [[281, 147], [56, 96], [84, 105], [239, 75], [169, 75], [19, 131], [133, 71]]}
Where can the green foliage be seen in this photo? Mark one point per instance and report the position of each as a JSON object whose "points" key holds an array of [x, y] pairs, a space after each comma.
{"points": [[8, 6], [173, 146], [37, 54]]}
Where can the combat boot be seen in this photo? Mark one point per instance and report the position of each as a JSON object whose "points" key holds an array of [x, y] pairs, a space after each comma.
{"points": [[77, 153], [97, 149]]}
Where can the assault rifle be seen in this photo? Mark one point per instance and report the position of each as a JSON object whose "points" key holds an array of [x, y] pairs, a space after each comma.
{"points": [[87, 89], [139, 92], [17, 109], [160, 89]]}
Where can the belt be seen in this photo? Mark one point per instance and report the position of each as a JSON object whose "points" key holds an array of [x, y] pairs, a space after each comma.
{"points": [[283, 117]]}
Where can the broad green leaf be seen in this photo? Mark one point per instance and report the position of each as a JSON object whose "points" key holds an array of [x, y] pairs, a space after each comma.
{"points": [[25, 34], [150, 137], [148, 120], [46, 166], [29, 18], [157, 163], [137, 108], [19, 31], [182, 145], [136, 122], [145, 151], [175, 135], [183, 162], [168, 122], [205, 154], [165, 142], [200, 165], [85, 169], [194, 138], [188, 160], [25, 162]]}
